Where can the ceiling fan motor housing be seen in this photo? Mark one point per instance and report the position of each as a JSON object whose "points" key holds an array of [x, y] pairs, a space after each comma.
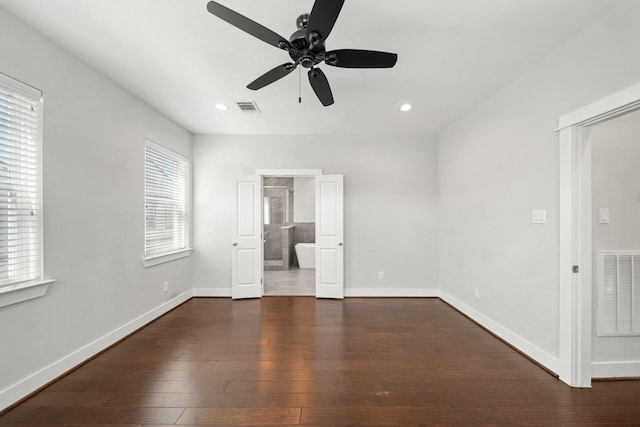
{"points": [[304, 52]]}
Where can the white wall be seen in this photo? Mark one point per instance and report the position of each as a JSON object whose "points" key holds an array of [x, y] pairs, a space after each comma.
{"points": [[616, 185], [390, 191], [304, 200], [501, 161], [94, 134]]}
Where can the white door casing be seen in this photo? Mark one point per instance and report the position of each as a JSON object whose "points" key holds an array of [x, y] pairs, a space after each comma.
{"points": [[246, 243], [575, 301], [329, 237]]}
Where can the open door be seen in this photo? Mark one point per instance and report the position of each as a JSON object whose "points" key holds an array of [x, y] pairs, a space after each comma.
{"points": [[329, 237], [246, 254]]}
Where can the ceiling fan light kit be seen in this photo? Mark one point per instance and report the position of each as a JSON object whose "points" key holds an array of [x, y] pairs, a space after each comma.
{"points": [[306, 46]]}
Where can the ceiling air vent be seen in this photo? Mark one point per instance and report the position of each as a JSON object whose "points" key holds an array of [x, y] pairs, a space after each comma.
{"points": [[248, 107]]}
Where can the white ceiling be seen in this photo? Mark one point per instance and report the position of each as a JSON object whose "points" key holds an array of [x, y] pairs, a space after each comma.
{"points": [[180, 59]]}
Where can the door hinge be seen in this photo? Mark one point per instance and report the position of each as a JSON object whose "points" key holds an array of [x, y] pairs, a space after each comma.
{"points": [[576, 269]]}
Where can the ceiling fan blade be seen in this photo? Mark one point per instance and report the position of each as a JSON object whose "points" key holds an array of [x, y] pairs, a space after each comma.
{"points": [[247, 25], [355, 58], [272, 75], [323, 17], [320, 86]]}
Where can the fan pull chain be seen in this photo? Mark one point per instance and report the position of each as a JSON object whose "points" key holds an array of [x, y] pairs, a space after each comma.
{"points": [[299, 85]]}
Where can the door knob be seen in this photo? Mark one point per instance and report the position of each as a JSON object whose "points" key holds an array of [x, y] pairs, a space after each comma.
{"points": [[339, 243], [235, 243]]}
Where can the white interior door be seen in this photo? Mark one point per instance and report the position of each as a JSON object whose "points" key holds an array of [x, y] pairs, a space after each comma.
{"points": [[246, 246], [329, 237]]}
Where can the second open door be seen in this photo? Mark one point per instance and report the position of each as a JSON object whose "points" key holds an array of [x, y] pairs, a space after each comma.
{"points": [[246, 246], [329, 237]]}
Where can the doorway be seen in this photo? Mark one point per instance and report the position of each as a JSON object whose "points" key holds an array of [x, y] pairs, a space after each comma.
{"points": [[247, 259], [576, 296], [289, 235], [615, 150]]}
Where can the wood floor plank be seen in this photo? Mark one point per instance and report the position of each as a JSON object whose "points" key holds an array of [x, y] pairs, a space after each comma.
{"points": [[161, 400], [62, 399], [282, 387], [290, 361], [148, 415], [24, 414], [603, 415], [386, 416], [119, 385], [241, 416], [87, 415]]}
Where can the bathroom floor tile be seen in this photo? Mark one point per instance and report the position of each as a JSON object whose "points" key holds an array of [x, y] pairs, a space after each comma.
{"points": [[297, 281]]}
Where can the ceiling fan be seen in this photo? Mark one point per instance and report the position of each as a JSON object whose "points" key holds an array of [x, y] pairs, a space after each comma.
{"points": [[306, 46]]}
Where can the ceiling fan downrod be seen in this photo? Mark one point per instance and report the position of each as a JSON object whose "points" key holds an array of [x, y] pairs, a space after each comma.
{"points": [[299, 85]]}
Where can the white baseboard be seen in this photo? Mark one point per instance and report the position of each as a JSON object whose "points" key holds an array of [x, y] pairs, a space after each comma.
{"points": [[391, 292], [348, 292], [212, 292], [550, 362], [624, 369], [23, 388]]}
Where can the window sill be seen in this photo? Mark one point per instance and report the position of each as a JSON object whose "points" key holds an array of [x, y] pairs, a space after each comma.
{"points": [[160, 259], [15, 294]]}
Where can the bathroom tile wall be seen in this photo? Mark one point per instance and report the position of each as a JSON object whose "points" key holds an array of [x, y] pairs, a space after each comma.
{"points": [[304, 232], [281, 182], [273, 242], [288, 248]]}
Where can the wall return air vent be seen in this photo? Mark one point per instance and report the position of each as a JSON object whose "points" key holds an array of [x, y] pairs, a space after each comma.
{"points": [[248, 106], [619, 293]]}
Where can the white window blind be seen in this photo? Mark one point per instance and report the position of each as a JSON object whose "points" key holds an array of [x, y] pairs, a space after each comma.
{"points": [[20, 183], [165, 201]]}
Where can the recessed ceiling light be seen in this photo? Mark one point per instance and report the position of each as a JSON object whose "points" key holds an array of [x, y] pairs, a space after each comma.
{"points": [[222, 107], [406, 107]]}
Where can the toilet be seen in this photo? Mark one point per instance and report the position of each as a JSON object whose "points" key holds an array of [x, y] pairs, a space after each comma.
{"points": [[306, 253]]}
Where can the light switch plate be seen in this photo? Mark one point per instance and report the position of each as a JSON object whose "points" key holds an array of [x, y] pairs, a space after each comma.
{"points": [[539, 216], [603, 215]]}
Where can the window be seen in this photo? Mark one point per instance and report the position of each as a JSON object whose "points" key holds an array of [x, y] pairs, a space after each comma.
{"points": [[20, 183], [165, 201]]}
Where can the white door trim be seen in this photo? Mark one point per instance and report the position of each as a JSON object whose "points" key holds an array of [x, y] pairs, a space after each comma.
{"points": [[575, 289], [288, 172], [607, 108]]}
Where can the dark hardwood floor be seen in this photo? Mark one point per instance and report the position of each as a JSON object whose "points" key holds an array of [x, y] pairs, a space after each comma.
{"points": [[287, 360]]}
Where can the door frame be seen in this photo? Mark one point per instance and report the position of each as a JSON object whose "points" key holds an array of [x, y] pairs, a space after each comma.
{"points": [[287, 173], [575, 287]]}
